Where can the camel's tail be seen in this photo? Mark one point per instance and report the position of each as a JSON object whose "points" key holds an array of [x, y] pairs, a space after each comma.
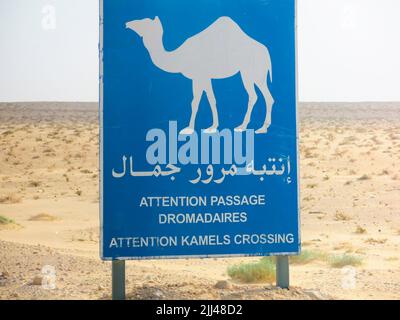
{"points": [[269, 71], [270, 74]]}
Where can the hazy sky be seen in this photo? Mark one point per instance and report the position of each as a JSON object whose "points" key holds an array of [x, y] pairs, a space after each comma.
{"points": [[349, 50]]}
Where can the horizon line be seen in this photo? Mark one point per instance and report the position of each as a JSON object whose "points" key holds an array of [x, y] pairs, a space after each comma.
{"points": [[300, 101]]}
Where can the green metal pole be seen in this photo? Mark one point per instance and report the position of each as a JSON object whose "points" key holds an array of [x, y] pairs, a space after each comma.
{"points": [[118, 280], [282, 272]]}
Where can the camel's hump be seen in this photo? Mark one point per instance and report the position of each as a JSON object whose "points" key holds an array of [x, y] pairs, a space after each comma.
{"points": [[222, 38], [224, 22], [223, 26]]}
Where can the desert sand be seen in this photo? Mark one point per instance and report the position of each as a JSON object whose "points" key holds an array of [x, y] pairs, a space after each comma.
{"points": [[350, 204]]}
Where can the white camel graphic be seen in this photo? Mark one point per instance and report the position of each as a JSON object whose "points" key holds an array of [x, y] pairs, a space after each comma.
{"points": [[219, 52]]}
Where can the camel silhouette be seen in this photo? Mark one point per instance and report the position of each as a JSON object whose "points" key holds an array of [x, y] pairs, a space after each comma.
{"points": [[220, 51]]}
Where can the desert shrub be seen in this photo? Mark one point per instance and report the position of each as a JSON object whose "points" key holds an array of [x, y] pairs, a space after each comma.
{"points": [[364, 178], [341, 216], [340, 261], [261, 271], [43, 217], [360, 230], [10, 199], [307, 256], [5, 220]]}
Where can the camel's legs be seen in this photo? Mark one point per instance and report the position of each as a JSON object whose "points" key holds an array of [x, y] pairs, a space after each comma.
{"points": [[198, 89], [213, 103], [249, 86], [269, 103]]}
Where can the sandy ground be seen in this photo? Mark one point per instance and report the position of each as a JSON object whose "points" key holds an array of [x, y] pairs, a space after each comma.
{"points": [[350, 182]]}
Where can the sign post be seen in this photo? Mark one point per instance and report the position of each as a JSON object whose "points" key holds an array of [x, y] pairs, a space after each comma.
{"points": [[282, 272], [198, 131], [118, 280]]}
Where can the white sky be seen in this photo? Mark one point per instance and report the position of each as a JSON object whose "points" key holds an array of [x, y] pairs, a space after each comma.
{"points": [[349, 50]]}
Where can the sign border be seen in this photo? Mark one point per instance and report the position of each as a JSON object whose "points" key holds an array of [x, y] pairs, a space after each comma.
{"points": [[101, 154]]}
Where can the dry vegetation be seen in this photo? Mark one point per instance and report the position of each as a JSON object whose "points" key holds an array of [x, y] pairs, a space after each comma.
{"points": [[5, 221], [265, 269], [43, 217]]}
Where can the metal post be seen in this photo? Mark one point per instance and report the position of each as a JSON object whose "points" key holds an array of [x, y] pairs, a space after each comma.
{"points": [[282, 272], [118, 280]]}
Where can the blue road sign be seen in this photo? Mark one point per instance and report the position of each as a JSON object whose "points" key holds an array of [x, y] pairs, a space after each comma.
{"points": [[198, 128]]}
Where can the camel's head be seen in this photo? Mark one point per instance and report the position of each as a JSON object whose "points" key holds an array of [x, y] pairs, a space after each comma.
{"points": [[147, 27]]}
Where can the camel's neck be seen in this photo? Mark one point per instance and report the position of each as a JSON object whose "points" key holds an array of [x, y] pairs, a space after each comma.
{"points": [[164, 60]]}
